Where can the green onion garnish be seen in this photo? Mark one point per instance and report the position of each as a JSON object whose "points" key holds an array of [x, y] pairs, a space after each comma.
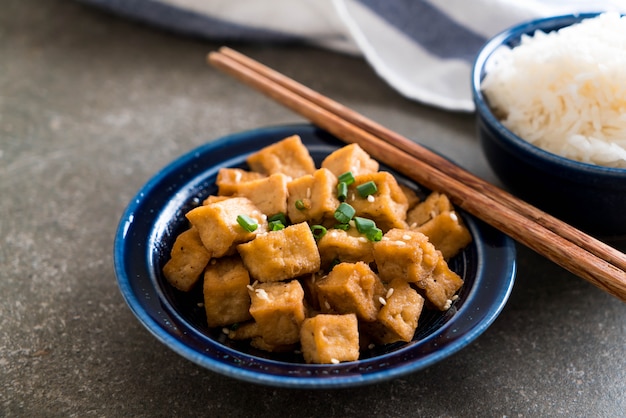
{"points": [[278, 217], [275, 225], [374, 234], [346, 177], [367, 189], [344, 227], [318, 231], [368, 228], [334, 263], [300, 204], [247, 223], [344, 213], [342, 191]]}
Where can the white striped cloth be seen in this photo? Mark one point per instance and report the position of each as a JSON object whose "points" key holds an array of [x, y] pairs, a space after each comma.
{"points": [[422, 48]]}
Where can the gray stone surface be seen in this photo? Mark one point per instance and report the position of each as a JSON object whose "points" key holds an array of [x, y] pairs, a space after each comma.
{"points": [[91, 106]]}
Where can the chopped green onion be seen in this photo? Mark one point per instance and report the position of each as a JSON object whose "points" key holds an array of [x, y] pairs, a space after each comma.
{"points": [[300, 204], [318, 231], [280, 217], [247, 223], [368, 228], [334, 263], [367, 189], [342, 191], [363, 224], [344, 213], [344, 227], [275, 225], [374, 234], [347, 178]]}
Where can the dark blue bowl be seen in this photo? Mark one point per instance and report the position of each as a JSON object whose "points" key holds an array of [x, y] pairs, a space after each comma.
{"points": [[155, 216], [590, 197]]}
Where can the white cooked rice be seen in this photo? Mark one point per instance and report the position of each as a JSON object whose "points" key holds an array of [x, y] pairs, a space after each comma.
{"points": [[565, 91]]}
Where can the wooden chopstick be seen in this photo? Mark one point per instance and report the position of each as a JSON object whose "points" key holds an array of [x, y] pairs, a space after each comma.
{"points": [[568, 247]]}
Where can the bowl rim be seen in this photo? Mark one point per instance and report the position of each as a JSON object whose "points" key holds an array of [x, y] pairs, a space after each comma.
{"points": [[483, 109], [166, 326]]}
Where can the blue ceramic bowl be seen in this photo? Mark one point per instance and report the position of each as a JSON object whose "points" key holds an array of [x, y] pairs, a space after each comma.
{"points": [[591, 197], [155, 216]]}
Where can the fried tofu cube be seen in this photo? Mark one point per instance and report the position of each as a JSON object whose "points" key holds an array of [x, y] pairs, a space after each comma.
{"points": [[281, 255], [288, 156], [245, 331], [441, 286], [405, 254], [387, 207], [351, 288], [218, 227], [229, 178], [188, 259], [400, 314], [344, 246], [327, 339], [278, 310], [411, 196], [350, 158], [432, 206], [269, 194], [447, 233], [316, 196], [226, 298], [213, 198]]}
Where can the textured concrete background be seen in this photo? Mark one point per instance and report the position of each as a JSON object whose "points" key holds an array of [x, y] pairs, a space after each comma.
{"points": [[91, 106]]}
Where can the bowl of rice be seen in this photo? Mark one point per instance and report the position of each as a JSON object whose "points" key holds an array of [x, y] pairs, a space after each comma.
{"points": [[550, 98]]}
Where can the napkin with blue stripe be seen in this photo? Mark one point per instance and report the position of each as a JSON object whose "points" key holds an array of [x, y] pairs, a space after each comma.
{"points": [[424, 49]]}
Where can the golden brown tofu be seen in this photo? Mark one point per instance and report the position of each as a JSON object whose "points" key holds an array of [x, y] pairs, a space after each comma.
{"points": [[327, 339], [387, 207], [312, 197], [405, 254], [351, 288], [350, 158], [447, 233], [411, 196], [218, 227], [278, 310], [281, 255], [213, 199], [288, 156], [441, 286], [226, 298], [400, 314], [433, 205], [228, 179], [245, 331], [269, 194], [188, 259], [344, 246]]}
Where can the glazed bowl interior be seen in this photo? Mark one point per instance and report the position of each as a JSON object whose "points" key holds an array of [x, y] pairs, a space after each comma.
{"points": [[589, 196]]}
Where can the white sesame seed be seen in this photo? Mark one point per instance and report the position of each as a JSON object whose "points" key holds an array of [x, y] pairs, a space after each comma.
{"points": [[362, 239], [334, 361], [406, 237], [264, 216], [453, 216], [255, 283], [237, 176], [448, 304], [371, 198], [226, 331], [371, 346], [382, 300], [455, 297], [250, 288], [308, 193], [262, 294], [401, 243], [389, 293], [327, 305], [413, 225]]}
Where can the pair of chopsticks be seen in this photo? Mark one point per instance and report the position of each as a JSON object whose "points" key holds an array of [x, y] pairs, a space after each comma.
{"points": [[572, 249]]}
